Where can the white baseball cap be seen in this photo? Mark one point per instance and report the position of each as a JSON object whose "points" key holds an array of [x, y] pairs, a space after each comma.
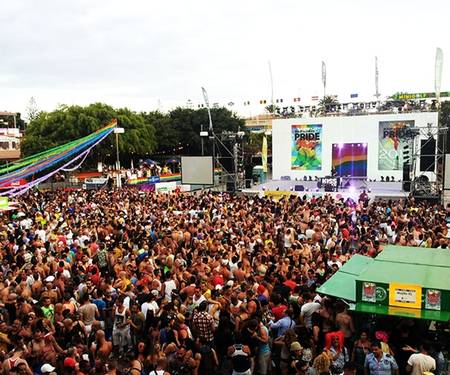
{"points": [[47, 368]]}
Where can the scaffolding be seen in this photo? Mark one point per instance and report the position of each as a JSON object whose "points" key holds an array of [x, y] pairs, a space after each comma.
{"points": [[428, 183]]}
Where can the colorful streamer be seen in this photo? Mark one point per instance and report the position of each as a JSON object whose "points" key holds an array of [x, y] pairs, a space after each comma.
{"points": [[51, 159]]}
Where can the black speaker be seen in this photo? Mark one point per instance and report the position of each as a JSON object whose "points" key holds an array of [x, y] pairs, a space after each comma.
{"points": [[299, 188], [230, 187], [427, 153], [248, 168], [406, 177]]}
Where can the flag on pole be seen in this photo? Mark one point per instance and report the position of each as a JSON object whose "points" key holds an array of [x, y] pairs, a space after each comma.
{"points": [[324, 77], [264, 153], [438, 73], [377, 91]]}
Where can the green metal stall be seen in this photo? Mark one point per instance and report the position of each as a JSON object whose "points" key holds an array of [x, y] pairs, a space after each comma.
{"points": [[401, 281]]}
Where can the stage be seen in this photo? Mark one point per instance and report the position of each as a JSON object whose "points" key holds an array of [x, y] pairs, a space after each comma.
{"points": [[374, 189]]}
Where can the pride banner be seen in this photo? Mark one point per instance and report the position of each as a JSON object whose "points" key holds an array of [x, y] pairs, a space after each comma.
{"points": [[306, 147], [393, 137], [350, 159]]}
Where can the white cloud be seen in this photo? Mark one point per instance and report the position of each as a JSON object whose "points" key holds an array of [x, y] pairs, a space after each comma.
{"points": [[139, 52]]}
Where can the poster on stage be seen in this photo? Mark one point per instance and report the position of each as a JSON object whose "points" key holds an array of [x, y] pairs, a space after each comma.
{"points": [[306, 147], [393, 137], [350, 159]]}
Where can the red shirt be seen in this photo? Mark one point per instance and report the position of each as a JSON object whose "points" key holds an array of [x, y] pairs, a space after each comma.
{"points": [[345, 233], [291, 284]]}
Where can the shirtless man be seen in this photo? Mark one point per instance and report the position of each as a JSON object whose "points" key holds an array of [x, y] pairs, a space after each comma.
{"points": [[101, 348]]}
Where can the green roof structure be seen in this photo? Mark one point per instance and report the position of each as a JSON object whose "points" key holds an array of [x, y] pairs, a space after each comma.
{"points": [[343, 283], [403, 281]]}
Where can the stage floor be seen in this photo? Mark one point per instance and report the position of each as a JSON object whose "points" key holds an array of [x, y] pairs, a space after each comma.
{"points": [[375, 190]]}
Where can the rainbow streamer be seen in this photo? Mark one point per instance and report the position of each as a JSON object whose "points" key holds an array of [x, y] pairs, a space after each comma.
{"points": [[51, 159]]}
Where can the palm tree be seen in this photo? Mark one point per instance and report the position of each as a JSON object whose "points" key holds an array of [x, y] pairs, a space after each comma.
{"points": [[272, 109], [327, 103]]}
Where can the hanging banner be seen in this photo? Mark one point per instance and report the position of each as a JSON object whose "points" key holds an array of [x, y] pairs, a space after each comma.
{"points": [[393, 137], [306, 147], [405, 295], [264, 153]]}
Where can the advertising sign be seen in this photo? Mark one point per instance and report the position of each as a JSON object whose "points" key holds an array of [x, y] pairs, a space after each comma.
{"points": [[405, 295], [369, 292], [433, 299]]}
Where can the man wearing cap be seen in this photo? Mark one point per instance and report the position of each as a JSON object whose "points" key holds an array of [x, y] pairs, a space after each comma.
{"points": [[47, 368], [296, 352], [70, 363]]}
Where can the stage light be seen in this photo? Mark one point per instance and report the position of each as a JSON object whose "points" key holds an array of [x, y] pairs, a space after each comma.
{"points": [[364, 144], [317, 190], [369, 190], [340, 145]]}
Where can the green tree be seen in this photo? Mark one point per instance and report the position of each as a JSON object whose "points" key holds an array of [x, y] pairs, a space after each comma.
{"points": [[167, 136], [68, 123], [32, 110], [187, 124], [326, 103], [254, 143], [272, 109]]}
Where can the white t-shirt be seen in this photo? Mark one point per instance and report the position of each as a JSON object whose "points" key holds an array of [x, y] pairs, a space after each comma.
{"points": [[41, 234], [309, 233], [307, 310], [146, 306], [421, 363], [169, 286]]}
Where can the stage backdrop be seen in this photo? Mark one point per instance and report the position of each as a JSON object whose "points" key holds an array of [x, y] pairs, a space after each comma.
{"points": [[394, 136], [306, 147], [316, 156], [350, 159]]}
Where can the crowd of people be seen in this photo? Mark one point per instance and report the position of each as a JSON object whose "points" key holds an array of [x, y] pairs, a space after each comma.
{"points": [[126, 282]]}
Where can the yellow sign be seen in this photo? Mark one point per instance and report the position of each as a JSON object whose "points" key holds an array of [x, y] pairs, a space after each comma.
{"points": [[277, 194], [405, 295]]}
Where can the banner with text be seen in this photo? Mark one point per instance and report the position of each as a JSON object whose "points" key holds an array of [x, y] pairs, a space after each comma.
{"points": [[393, 137], [306, 147]]}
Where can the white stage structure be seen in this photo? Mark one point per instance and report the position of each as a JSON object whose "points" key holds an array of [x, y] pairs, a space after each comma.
{"points": [[321, 134]]}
